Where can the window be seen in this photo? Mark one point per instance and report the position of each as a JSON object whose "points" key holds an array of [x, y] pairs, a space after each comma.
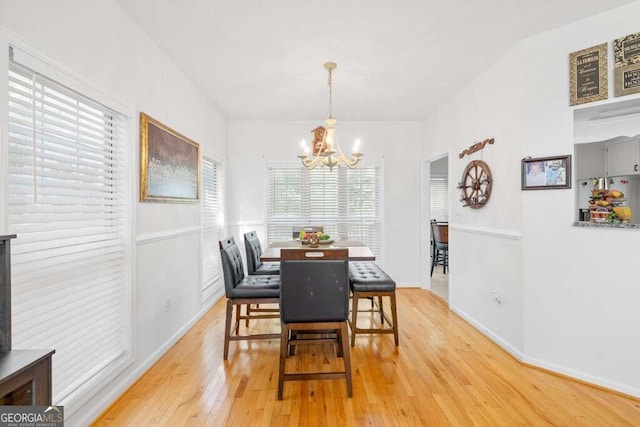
{"points": [[67, 203], [345, 201], [212, 225], [439, 199]]}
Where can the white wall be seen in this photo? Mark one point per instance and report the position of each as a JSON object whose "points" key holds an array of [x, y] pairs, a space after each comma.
{"points": [[484, 243], [253, 143], [99, 42], [575, 287], [580, 315]]}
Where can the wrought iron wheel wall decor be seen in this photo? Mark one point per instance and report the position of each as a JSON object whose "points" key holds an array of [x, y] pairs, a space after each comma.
{"points": [[475, 187]]}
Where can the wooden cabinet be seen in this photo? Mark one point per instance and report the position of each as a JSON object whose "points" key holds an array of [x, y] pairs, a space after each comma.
{"points": [[25, 375], [5, 292], [623, 156]]}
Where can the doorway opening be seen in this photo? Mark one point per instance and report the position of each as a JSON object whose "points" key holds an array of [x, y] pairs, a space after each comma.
{"points": [[434, 206], [439, 212]]}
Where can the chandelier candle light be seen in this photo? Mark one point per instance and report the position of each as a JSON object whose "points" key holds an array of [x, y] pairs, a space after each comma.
{"points": [[326, 149]]}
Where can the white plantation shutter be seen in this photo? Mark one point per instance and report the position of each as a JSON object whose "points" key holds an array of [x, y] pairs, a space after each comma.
{"points": [[67, 204], [345, 201], [363, 206], [439, 199], [323, 196], [284, 204], [212, 225]]}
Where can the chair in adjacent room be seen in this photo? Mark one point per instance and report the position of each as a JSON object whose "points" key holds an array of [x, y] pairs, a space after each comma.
{"points": [[439, 245], [314, 299], [242, 290]]}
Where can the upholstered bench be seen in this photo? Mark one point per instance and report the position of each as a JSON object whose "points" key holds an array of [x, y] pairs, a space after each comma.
{"points": [[368, 280]]}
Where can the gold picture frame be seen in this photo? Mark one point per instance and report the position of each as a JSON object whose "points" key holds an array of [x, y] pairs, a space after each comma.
{"points": [[588, 75], [627, 64], [169, 164]]}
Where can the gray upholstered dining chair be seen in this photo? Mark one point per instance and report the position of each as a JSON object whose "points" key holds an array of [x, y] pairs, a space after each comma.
{"points": [[253, 249], [314, 297], [255, 266], [243, 290]]}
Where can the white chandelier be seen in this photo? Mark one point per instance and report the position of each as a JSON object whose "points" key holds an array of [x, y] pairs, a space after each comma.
{"points": [[325, 149]]}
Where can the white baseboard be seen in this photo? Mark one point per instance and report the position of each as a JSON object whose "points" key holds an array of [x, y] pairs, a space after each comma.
{"points": [[521, 357], [505, 345], [86, 416], [588, 378]]}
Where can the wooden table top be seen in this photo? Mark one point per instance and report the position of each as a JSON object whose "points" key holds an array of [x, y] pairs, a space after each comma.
{"points": [[357, 250]]}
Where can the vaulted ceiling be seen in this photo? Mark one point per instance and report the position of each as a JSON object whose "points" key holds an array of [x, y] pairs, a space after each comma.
{"points": [[262, 59]]}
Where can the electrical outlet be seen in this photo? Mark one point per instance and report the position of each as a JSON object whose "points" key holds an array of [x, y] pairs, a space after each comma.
{"points": [[497, 298], [167, 304]]}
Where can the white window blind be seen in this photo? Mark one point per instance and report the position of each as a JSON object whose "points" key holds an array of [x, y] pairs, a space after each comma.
{"points": [[439, 199], [346, 202], [67, 205], [212, 225]]}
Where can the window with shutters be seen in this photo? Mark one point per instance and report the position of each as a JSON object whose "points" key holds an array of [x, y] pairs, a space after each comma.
{"points": [[212, 225], [346, 202], [439, 199], [67, 203]]}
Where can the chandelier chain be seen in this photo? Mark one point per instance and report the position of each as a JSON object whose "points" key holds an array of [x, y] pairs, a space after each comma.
{"points": [[330, 82]]}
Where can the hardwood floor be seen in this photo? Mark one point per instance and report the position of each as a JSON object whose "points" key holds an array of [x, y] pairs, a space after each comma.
{"points": [[444, 373], [440, 284]]}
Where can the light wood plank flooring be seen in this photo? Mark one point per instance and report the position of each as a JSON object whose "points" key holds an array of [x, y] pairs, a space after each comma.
{"points": [[444, 373], [440, 284]]}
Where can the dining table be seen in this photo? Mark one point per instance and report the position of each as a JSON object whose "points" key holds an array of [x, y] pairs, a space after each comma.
{"points": [[358, 251]]}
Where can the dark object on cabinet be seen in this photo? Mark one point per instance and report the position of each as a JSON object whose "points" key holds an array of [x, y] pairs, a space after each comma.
{"points": [[5, 292], [25, 375]]}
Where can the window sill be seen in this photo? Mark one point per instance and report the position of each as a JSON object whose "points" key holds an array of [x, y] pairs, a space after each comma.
{"points": [[588, 224]]}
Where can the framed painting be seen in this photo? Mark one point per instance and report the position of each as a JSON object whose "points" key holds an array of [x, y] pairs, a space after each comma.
{"points": [[588, 75], [169, 164], [546, 173]]}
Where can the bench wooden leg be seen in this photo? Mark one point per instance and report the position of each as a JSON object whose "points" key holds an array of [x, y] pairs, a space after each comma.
{"points": [[354, 319], [394, 315], [381, 307], [392, 323]]}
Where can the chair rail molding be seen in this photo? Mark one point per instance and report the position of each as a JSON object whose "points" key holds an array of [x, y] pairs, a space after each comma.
{"points": [[485, 231], [168, 234], [245, 223]]}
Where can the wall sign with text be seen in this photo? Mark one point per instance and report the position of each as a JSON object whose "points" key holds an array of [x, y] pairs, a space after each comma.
{"points": [[588, 75], [627, 70]]}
